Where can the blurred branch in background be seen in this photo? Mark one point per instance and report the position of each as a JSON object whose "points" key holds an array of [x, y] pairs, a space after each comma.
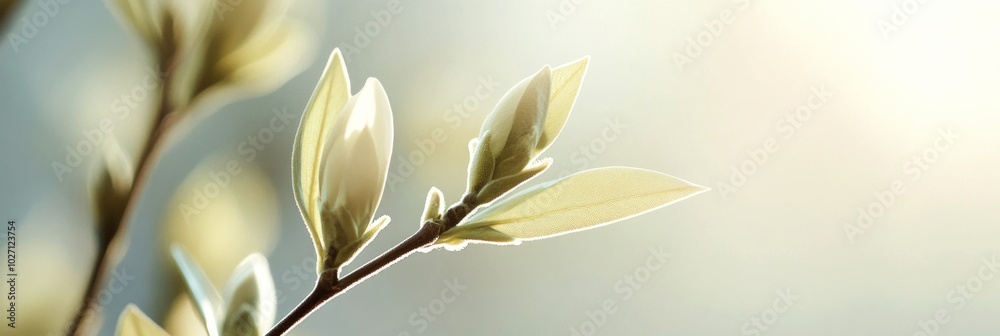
{"points": [[223, 196], [112, 216], [198, 54], [6, 8]]}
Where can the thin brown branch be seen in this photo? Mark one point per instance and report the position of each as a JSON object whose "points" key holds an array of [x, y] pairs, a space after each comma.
{"points": [[328, 288], [109, 245]]}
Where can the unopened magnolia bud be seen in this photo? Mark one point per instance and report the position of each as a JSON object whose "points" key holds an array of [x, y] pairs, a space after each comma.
{"points": [[516, 123], [341, 163], [434, 208]]}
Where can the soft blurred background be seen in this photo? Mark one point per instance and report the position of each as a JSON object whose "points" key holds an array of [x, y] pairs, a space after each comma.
{"points": [[777, 254]]}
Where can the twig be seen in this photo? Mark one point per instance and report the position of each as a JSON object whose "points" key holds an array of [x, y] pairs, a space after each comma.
{"points": [[108, 248], [327, 287]]}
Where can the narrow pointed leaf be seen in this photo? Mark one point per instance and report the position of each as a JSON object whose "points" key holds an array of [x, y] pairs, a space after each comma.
{"points": [[458, 239], [499, 187], [481, 164], [517, 123], [205, 297], [577, 202], [349, 252], [355, 170], [566, 81], [332, 93]]}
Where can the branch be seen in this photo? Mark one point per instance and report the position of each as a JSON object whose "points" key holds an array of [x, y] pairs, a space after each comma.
{"points": [[327, 287], [6, 7], [110, 243]]}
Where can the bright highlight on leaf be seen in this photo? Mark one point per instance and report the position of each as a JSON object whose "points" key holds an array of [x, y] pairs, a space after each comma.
{"points": [[525, 122], [515, 124], [499, 187], [132, 322], [577, 202], [206, 298], [566, 82], [249, 304], [330, 96]]}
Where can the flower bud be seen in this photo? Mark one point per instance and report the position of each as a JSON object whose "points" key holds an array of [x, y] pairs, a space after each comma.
{"points": [[110, 190], [434, 207], [355, 167], [251, 297], [524, 123], [516, 123]]}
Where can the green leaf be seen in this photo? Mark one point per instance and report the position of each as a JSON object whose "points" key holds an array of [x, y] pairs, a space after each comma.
{"points": [[461, 237], [566, 82], [204, 295], [481, 164], [331, 95], [251, 297], [133, 322], [351, 250], [499, 187], [517, 123], [577, 202]]}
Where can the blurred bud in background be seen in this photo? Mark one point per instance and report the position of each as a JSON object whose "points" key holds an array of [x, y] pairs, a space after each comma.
{"points": [[223, 211], [228, 47], [6, 6], [183, 319], [110, 189]]}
